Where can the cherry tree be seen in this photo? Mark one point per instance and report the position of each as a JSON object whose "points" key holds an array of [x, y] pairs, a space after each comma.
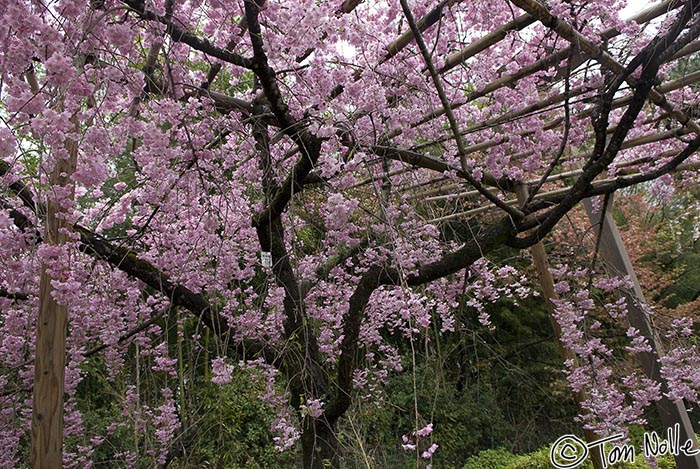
{"points": [[284, 172]]}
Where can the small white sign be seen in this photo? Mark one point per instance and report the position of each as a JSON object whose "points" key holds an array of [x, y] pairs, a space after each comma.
{"points": [[266, 259]]}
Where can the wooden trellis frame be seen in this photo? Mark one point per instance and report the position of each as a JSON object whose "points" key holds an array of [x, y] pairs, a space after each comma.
{"points": [[613, 250], [581, 50]]}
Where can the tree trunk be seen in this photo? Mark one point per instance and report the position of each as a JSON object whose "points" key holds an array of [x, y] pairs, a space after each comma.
{"points": [[319, 443]]}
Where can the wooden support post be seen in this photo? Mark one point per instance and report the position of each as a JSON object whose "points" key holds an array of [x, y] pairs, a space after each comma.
{"points": [[47, 404], [539, 256], [50, 354], [617, 261]]}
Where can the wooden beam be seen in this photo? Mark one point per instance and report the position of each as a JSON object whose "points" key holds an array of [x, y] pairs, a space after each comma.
{"points": [[553, 194], [423, 24], [50, 353], [676, 84], [485, 42], [546, 62], [618, 263]]}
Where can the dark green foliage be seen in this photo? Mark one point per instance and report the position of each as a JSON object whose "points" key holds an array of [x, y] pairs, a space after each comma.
{"points": [[503, 459], [231, 429], [480, 388], [520, 361], [491, 459]]}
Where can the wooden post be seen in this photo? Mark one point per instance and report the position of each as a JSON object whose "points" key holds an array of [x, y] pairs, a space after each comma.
{"points": [[50, 354], [539, 256], [617, 261], [47, 404]]}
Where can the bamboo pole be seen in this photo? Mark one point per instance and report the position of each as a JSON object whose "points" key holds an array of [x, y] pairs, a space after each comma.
{"points": [[546, 62], [664, 88], [485, 42], [423, 24], [566, 31], [673, 85], [632, 143], [436, 195], [556, 192]]}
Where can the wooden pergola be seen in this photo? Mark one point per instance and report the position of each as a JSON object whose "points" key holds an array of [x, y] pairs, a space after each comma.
{"points": [[421, 172], [435, 193]]}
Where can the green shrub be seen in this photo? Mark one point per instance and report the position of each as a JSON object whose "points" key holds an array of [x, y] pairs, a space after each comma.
{"points": [[491, 459], [504, 459]]}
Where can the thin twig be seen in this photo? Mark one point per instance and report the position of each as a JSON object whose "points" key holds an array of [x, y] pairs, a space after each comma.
{"points": [[512, 211]]}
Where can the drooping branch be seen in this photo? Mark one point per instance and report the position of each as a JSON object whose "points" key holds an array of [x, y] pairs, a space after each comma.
{"points": [[493, 236], [128, 334], [127, 260], [619, 168]]}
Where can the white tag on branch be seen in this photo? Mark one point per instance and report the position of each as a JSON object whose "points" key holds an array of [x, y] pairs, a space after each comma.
{"points": [[266, 259]]}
